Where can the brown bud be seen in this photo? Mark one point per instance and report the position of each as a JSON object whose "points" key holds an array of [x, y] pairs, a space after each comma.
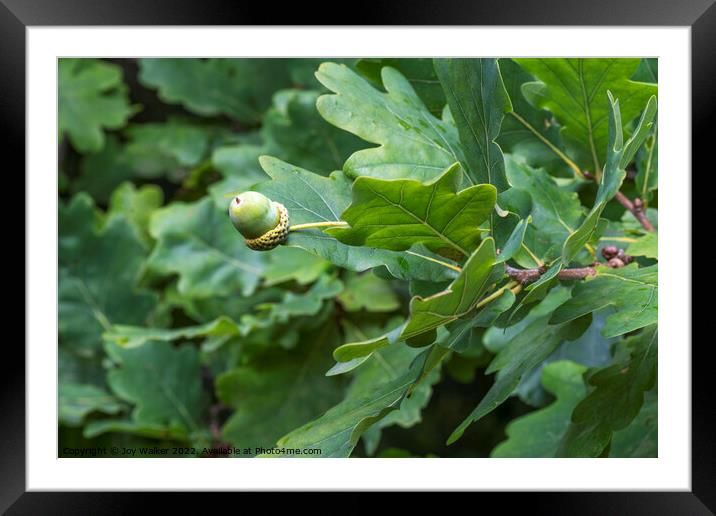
{"points": [[615, 263], [609, 252]]}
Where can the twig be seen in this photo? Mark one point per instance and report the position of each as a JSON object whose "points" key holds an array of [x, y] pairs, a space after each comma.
{"points": [[616, 258], [525, 276], [636, 207]]}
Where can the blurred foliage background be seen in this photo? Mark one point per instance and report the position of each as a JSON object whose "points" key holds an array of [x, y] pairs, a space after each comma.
{"points": [[150, 151]]}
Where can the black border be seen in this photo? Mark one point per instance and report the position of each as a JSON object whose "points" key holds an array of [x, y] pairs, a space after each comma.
{"points": [[16, 15]]}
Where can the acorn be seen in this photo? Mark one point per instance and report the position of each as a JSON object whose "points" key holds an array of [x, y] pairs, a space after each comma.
{"points": [[262, 222]]}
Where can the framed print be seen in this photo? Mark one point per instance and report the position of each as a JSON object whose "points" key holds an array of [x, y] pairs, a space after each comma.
{"points": [[424, 250]]}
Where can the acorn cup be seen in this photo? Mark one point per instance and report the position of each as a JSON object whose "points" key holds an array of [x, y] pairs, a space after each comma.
{"points": [[262, 222]]}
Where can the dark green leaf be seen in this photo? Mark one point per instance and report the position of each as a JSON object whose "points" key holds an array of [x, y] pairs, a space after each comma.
{"points": [[616, 399], [296, 133], [478, 101], [280, 391], [641, 437], [164, 384], [539, 433], [631, 290], [524, 352], [198, 242], [239, 88], [92, 98], [419, 72], [337, 431], [98, 269], [368, 292], [575, 90], [77, 400], [619, 154], [529, 132]]}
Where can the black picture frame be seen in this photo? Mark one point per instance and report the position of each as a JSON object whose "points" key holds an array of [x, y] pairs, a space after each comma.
{"points": [[17, 15]]}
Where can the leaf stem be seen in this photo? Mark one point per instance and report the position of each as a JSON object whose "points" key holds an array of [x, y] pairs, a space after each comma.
{"points": [[534, 257], [440, 262], [497, 293], [311, 225], [549, 144]]}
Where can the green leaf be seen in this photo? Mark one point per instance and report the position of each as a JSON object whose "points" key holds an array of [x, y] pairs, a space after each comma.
{"points": [[418, 71], [77, 400], [641, 437], [239, 165], [478, 101], [337, 431], [528, 132], [398, 214], [239, 88], [412, 142], [460, 297], [268, 313], [522, 354], [102, 172], [173, 432], [539, 433], [311, 198], [368, 292], [618, 157], [647, 245], [497, 337], [98, 270], [616, 399], [515, 241], [280, 391], [309, 303], [155, 149], [575, 90], [133, 336], [163, 382], [589, 350], [198, 242], [136, 205], [293, 264], [463, 334], [647, 71], [631, 290], [388, 364], [92, 98], [647, 164], [556, 212], [296, 133], [429, 313]]}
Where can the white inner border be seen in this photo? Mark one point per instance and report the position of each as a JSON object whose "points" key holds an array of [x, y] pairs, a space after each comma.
{"points": [[670, 471]]}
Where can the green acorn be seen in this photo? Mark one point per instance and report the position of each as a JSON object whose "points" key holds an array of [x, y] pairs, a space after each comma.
{"points": [[262, 222]]}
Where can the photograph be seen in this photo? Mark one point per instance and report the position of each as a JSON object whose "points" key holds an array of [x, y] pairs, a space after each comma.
{"points": [[363, 257]]}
